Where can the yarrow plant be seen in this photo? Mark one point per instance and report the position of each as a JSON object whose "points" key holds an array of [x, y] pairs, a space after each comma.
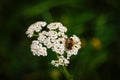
{"points": [[52, 36]]}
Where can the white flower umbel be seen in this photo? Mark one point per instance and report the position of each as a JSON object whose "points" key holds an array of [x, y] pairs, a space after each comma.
{"points": [[53, 37], [38, 49], [61, 61], [35, 27]]}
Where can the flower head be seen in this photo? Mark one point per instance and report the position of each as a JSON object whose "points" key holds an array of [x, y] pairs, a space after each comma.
{"points": [[53, 38]]}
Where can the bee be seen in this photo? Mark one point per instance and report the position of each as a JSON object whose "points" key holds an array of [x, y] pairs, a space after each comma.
{"points": [[69, 43]]}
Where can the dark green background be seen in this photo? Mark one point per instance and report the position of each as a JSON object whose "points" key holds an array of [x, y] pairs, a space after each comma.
{"points": [[96, 22]]}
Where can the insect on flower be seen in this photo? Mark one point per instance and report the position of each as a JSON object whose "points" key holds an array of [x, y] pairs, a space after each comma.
{"points": [[69, 43]]}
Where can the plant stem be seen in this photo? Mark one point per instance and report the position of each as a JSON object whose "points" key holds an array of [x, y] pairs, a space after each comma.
{"points": [[66, 73], [35, 35]]}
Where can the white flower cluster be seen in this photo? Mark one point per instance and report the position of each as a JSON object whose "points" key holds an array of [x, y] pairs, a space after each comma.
{"points": [[38, 49], [52, 36], [36, 27], [61, 61]]}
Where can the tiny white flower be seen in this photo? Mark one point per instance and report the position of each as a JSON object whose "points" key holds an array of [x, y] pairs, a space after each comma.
{"points": [[55, 63], [47, 43], [62, 29], [41, 37], [61, 34]]}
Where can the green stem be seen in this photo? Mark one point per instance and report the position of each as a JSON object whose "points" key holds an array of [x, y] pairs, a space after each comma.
{"points": [[66, 73], [35, 35]]}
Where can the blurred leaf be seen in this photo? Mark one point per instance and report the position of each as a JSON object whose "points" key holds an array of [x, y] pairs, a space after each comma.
{"points": [[98, 60]]}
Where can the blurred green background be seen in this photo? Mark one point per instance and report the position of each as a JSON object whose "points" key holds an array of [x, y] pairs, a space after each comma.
{"points": [[96, 22]]}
